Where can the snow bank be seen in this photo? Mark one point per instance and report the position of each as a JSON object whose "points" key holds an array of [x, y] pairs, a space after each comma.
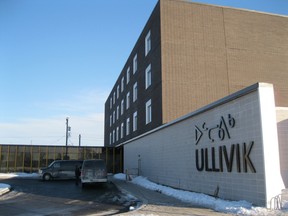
{"points": [[120, 176], [18, 175], [235, 207], [4, 188]]}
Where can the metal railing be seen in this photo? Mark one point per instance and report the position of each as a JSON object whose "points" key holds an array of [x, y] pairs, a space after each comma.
{"points": [[131, 173], [276, 202]]}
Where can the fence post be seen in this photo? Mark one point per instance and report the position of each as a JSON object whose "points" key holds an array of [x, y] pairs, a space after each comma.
{"points": [[139, 165], [113, 160], [126, 175], [31, 158], [8, 156], [0, 158], [15, 157]]}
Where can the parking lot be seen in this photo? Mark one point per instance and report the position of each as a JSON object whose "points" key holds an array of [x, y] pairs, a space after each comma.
{"points": [[61, 197]]}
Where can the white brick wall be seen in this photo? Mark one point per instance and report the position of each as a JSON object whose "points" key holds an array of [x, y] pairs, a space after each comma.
{"points": [[168, 155]]}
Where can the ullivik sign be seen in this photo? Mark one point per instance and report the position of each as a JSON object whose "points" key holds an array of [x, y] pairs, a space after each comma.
{"points": [[238, 153]]}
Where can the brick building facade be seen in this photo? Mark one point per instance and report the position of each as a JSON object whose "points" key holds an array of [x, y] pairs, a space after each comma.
{"points": [[189, 55]]}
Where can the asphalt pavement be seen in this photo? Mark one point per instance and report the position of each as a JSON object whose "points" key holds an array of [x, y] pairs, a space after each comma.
{"points": [[149, 202]]}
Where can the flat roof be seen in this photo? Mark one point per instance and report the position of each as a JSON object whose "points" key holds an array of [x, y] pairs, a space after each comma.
{"points": [[233, 8]]}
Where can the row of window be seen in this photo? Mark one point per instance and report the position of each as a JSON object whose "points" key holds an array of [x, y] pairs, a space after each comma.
{"points": [[115, 115], [118, 134], [135, 67]]}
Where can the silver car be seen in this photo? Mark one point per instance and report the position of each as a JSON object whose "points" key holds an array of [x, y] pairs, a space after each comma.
{"points": [[93, 171]]}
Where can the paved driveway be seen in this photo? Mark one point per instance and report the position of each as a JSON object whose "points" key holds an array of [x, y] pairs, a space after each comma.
{"points": [[34, 197]]}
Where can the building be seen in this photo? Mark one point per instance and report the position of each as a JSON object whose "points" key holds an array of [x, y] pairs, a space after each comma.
{"points": [[189, 55], [234, 148]]}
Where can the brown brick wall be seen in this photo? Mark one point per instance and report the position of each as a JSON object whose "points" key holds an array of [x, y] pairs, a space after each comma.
{"points": [[209, 52], [194, 64], [257, 50]]}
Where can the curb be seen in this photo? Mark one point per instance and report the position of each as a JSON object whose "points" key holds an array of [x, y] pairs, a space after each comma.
{"points": [[143, 202]]}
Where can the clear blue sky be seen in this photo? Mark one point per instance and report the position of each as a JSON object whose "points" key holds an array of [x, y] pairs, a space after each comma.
{"points": [[60, 58]]}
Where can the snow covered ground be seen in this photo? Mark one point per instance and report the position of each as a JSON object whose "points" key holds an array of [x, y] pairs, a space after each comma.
{"points": [[220, 205], [4, 188], [19, 175], [234, 207]]}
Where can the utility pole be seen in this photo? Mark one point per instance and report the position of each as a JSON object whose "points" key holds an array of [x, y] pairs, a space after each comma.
{"points": [[67, 127], [79, 140]]}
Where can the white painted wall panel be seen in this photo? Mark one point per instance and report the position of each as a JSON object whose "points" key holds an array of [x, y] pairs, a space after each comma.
{"points": [[168, 155]]}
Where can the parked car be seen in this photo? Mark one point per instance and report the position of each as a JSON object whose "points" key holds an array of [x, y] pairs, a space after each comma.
{"points": [[60, 169], [93, 171]]}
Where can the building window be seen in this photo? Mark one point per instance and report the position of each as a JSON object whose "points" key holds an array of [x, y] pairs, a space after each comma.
{"points": [[111, 103], [122, 107], [122, 130], [148, 76], [128, 100], [147, 43], [110, 138], [122, 84], [134, 121], [110, 120], [127, 126], [148, 112], [113, 116], [114, 98], [117, 134], [135, 92], [118, 90], [117, 113], [113, 139], [128, 75], [135, 66]]}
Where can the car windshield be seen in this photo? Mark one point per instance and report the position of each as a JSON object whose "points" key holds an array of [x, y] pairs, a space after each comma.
{"points": [[54, 164], [51, 164]]}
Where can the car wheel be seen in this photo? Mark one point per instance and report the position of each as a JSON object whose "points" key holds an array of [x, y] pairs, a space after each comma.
{"points": [[47, 177]]}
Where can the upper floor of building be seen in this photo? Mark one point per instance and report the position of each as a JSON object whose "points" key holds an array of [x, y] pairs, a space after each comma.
{"points": [[130, 108], [189, 55]]}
